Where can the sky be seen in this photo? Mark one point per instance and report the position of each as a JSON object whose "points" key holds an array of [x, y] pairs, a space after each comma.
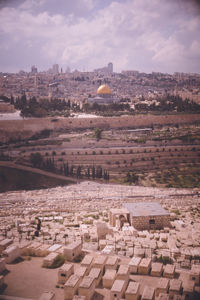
{"points": [[144, 35]]}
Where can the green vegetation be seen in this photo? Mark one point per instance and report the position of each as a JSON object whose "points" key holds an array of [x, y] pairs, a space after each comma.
{"points": [[42, 108], [98, 133]]}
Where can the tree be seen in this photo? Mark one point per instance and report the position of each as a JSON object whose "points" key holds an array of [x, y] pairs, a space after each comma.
{"points": [[36, 159], [98, 133]]}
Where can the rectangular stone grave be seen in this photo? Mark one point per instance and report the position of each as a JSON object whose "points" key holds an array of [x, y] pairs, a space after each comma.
{"points": [[54, 248], [144, 266], [148, 293], [87, 287], [11, 254], [174, 287], [156, 269], [80, 271], [49, 259], [163, 296], [188, 289], [31, 249], [65, 272], [47, 296], [2, 264], [42, 251], [99, 262], [133, 264], [118, 289], [195, 274], [96, 273], [112, 262], [71, 286], [1, 281], [4, 244], [109, 278], [87, 262], [72, 250], [169, 271], [132, 292], [123, 272], [162, 286]]}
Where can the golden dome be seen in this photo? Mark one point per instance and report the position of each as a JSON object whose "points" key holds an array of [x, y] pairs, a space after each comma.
{"points": [[103, 89]]}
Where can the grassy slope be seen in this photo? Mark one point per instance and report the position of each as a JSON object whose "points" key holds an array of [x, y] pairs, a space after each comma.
{"points": [[13, 179]]}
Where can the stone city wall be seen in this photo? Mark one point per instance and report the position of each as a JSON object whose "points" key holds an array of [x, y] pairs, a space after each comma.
{"points": [[26, 128]]}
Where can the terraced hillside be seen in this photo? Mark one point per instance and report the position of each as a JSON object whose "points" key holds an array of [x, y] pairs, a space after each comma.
{"points": [[160, 155]]}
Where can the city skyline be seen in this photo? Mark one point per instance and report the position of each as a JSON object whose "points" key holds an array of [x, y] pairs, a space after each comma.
{"points": [[86, 34]]}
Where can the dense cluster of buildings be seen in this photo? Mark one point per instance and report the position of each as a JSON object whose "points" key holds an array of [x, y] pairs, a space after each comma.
{"points": [[79, 86]]}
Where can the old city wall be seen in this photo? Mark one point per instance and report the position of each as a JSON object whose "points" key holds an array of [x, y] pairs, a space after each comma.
{"points": [[26, 128]]}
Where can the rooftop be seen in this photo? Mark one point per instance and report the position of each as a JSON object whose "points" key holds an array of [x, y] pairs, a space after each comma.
{"points": [[146, 209]]}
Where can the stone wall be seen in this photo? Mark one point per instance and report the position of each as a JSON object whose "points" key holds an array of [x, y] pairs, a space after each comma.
{"points": [[26, 128], [143, 222]]}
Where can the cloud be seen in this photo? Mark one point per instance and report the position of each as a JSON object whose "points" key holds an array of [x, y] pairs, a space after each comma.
{"points": [[145, 35]]}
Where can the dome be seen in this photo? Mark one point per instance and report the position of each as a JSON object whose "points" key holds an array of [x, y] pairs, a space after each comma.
{"points": [[103, 90]]}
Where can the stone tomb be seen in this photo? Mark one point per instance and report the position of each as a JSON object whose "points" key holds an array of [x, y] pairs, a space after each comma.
{"points": [[80, 271], [4, 244], [2, 265], [109, 278], [87, 287], [132, 292], [169, 271], [144, 266], [188, 289], [54, 248], [87, 262], [148, 293], [195, 274], [112, 262], [96, 273], [72, 250], [11, 254], [65, 272], [118, 289], [47, 296], [133, 264], [163, 296], [99, 262], [162, 286], [123, 272], [174, 287], [42, 251], [49, 259], [71, 286], [32, 248], [78, 297], [1, 281], [156, 269], [179, 297]]}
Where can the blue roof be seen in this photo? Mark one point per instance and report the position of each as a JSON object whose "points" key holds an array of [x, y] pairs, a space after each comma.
{"points": [[146, 209]]}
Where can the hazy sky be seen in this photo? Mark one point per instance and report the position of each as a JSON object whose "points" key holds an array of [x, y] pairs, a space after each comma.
{"points": [[144, 35]]}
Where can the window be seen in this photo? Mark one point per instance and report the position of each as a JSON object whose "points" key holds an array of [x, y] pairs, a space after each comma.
{"points": [[151, 221]]}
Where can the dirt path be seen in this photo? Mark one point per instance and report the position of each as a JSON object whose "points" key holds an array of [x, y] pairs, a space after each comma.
{"points": [[28, 279]]}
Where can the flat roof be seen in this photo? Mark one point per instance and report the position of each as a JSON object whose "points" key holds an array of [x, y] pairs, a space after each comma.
{"points": [[146, 209]]}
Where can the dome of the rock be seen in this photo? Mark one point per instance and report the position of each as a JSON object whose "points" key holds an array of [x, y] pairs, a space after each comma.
{"points": [[104, 90]]}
